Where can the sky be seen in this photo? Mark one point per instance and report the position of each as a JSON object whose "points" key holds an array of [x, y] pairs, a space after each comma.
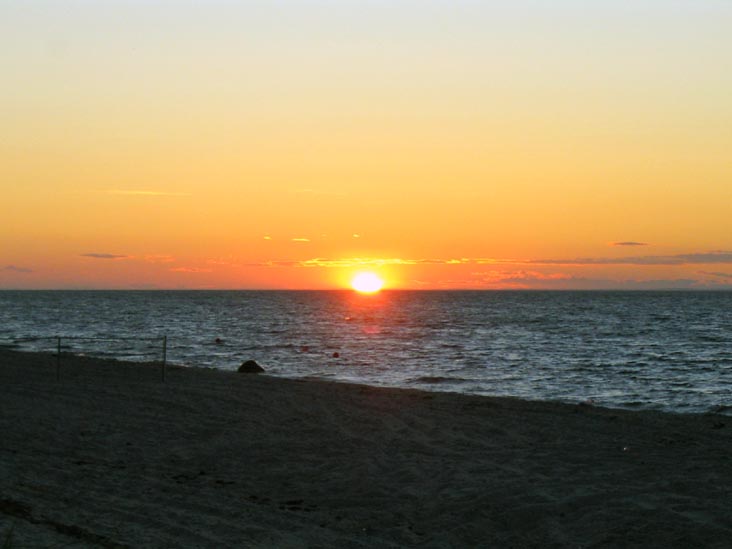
{"points": [[441, 144]]}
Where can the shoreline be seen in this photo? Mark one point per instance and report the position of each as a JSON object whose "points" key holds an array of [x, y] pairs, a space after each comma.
{"points": [[419, 383], [111, 456]]}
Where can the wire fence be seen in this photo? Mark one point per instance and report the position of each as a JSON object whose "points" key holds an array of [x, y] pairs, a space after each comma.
{"points": [[114, 347]]}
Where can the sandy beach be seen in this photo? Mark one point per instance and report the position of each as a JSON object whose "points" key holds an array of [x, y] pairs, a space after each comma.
{"points": [[110, 456]]}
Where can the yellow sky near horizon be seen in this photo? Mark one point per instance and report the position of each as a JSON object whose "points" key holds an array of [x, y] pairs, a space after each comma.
{"points": [[289, 144]]}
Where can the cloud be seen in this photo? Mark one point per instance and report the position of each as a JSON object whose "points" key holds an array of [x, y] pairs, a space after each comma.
{"points": [[678, 259], [366, 262], [521, 279], [16, 269], [106, 256], [301, 240], [629, 243], [346, 262], [525, 276], [349, 262], [716, 257], [720, 275], [532, 280], [190, 270], [123, 192], [659, 284], [492, 261]]}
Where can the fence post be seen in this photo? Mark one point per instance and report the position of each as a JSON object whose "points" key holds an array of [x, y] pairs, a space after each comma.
{"points": [[165, 356], [58, 358]]}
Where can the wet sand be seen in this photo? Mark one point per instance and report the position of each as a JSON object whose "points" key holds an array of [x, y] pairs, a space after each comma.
{"points": [[110, 456]]}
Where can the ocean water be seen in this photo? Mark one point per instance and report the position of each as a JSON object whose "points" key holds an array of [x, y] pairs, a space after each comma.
{"points": [[652, 350]]}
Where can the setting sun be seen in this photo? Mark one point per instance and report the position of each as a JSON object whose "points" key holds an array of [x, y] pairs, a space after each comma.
{"points": [[367, 283]]}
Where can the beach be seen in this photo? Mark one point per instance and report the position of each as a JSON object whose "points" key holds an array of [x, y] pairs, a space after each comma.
{"points": [[108, 455]]}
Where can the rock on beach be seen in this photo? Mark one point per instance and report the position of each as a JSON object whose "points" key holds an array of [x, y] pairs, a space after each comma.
{"points": [[250, 367]]}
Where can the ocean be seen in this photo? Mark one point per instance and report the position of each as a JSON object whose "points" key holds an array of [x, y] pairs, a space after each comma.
{"points": [[668, 351]]}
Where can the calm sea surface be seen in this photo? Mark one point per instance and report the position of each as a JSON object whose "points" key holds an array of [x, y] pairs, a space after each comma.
{"points": [[661, 350]]}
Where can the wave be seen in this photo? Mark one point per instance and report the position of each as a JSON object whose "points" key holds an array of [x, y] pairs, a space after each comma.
{"points": [[437, 379]]}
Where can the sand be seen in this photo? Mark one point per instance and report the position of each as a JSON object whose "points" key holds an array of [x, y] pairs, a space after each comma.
{"points": [[110, 456]]}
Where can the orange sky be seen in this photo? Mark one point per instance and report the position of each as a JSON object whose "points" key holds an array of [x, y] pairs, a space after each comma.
{"points": [[289, 145]]}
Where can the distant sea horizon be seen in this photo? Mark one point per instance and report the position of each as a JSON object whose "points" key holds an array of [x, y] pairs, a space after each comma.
{"points": [[385, 290]]}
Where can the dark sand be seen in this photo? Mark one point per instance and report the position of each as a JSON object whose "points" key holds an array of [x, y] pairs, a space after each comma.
{"points": [[109, 456]]}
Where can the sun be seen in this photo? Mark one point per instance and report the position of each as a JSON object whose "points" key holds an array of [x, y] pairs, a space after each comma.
{"points": [[367, 283]]}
